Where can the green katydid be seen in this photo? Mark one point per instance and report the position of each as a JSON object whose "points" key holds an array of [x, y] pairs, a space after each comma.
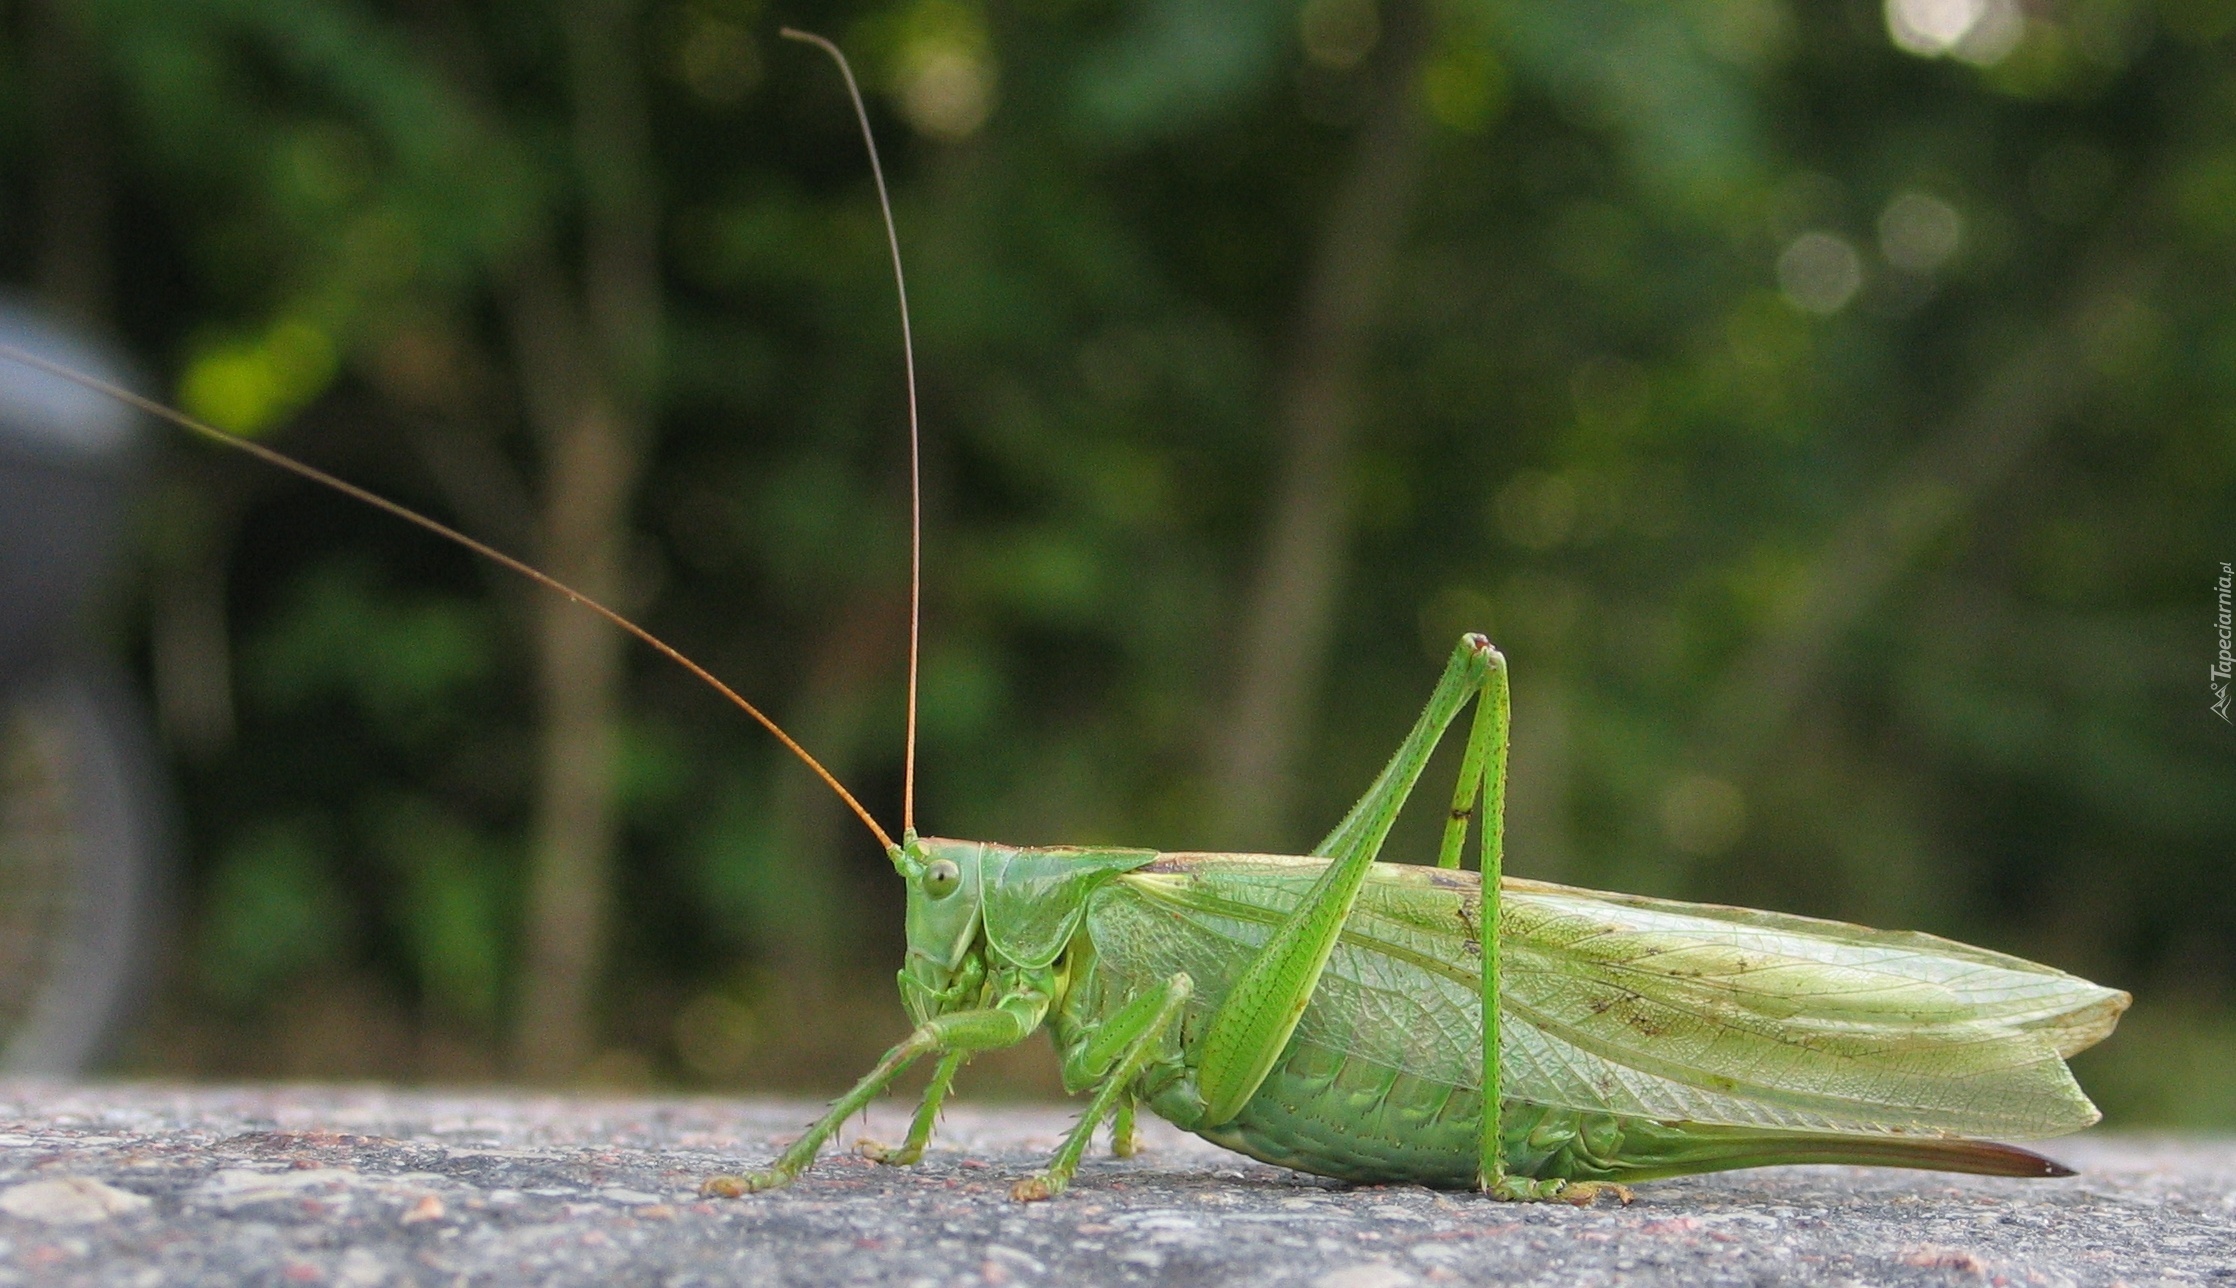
{"points": [[1338, 1015]]}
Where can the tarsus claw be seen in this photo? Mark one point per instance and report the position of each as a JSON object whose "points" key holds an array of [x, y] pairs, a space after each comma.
{"points": [[1525, 1189], [882, 1153], [732, 1186]]}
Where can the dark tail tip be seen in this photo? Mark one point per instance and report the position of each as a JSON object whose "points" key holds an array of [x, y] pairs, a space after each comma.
{"points": [[1945, 1154], [1992, 1158]]}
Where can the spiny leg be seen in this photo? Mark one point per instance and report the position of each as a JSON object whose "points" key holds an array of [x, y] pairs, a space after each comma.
{"points": [[1369, 818], [1483, 778], [1486, 763], [1089, 1063], [1254, 1020], [927, 1115], [1482, 768], [1123, 1141], [1140, 1038], [975, 1030], [796, 1158], [1482, 669]]}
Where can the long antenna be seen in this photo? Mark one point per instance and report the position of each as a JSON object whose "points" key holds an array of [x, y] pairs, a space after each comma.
{"points": [[915, 435], [378, 502]]}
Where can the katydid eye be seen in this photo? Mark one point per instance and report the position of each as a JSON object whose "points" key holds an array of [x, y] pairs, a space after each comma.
{"points": [[941, 878]]}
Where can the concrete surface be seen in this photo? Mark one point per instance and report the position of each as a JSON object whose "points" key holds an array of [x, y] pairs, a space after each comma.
{"points": [[129, 1184]]}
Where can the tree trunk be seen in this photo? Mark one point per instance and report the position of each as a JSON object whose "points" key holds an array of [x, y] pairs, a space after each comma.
{"points": [[592, 471], [1291, 607], [585, 369], [1540, 768], [74, 272], [1748, 716], [810, 826], [1975, 452]]}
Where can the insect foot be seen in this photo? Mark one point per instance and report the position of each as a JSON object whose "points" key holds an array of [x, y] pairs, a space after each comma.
{"points": [[733, 1186], [1523, 1189], [1586, 1193], [878, 1153]]}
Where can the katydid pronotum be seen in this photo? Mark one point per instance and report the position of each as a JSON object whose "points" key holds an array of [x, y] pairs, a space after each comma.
{"points": [[1338, 1015]]}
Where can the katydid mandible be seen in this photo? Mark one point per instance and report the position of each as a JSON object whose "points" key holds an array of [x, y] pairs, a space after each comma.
{"points": [[1386, 1023]]}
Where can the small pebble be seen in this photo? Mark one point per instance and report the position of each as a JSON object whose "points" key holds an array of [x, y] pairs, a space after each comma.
{"points": [[68, 1200], [429, 1208]]}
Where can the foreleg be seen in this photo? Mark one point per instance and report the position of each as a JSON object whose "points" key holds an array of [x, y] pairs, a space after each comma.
{"points": [[927, 1114], [961, 1031]]}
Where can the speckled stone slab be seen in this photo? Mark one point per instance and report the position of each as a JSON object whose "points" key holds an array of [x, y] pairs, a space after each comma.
{"points": [[364, 1186]]}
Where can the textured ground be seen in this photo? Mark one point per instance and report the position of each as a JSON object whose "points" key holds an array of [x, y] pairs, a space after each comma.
{"points": [[301, 1185]]}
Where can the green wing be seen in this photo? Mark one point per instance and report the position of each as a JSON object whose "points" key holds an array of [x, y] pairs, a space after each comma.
{"points": [[1854, 1028], [2072, 1013], [1660, 1009]]}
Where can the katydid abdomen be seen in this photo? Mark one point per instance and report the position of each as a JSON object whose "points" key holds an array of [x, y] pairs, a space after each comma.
{"points": [[1381, 1081]]}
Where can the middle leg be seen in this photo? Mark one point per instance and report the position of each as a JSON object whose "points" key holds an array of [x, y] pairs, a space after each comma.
{"points": [[1138, 1030]]}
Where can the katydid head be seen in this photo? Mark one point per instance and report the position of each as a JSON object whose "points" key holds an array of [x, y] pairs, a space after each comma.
{"points": [[944, 895], [975, 906], [946, 956]]}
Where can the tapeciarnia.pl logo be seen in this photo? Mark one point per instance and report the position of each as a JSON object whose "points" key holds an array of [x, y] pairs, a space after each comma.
{"points": [[2225, 664]]}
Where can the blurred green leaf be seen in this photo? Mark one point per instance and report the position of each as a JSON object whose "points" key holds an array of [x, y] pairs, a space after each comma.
{"points": [[404, 659], [452, 897], [273, 911]]}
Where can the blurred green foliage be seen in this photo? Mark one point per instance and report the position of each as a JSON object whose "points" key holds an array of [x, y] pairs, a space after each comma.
{"points": [[275, 910], [1835, 418]]}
